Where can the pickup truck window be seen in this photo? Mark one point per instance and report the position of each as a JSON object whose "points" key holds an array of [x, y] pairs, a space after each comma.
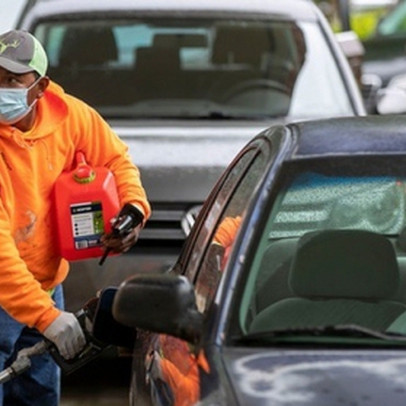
{"points": [[195, 68]]}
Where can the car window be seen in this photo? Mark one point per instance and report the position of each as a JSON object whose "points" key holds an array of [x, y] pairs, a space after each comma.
{"points": [[203, 232], [168, 67], [237, 189], [337, 237]]}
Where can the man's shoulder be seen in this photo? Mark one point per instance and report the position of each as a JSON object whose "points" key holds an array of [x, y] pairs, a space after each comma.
{"points": [[74, 104], [58, 91]]}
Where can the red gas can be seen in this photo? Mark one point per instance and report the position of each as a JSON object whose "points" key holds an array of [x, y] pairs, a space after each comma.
{"points": [[85, 200]]}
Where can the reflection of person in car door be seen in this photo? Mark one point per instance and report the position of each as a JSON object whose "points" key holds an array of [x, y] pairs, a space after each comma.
{"points": [[179, 368]]}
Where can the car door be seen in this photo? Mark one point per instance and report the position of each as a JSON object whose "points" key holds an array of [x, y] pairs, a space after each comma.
{"points": [[173, 366]]}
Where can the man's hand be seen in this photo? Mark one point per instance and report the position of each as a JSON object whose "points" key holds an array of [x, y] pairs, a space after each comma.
{"points": [[121, 244], [65, 332], [126, 228]]}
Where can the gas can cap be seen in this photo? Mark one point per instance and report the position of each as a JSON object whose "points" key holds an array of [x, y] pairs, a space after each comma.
{"points": [[83, 172]]}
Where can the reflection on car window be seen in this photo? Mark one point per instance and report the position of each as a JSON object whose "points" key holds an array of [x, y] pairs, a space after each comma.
{"points": [[205, 232], [225, 232], [316, 201], [195, 67]]}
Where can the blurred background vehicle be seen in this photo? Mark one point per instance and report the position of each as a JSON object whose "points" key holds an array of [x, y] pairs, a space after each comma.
{"points": [[381, 28], [186, 84], [11, 12], [385, 59], [290, 290]]}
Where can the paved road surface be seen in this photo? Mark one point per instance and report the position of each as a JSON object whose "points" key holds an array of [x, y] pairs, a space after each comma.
{"points": [[102, 382]]}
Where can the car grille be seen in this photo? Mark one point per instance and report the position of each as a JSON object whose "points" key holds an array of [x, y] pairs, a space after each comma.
{"points": [[165, 223]]}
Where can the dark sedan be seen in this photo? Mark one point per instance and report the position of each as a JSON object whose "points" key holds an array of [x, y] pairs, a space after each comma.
{"points": [[291, 288]]}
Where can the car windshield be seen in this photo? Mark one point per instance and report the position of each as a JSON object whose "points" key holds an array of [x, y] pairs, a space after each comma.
{"points": [[331, 261], [196, 68]]}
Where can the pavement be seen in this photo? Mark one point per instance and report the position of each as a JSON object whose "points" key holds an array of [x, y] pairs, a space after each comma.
{"points": [[103, 382]]}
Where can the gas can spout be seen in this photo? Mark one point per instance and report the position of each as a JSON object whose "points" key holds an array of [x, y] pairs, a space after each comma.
{"points": [[80, 158], [83, 172]]}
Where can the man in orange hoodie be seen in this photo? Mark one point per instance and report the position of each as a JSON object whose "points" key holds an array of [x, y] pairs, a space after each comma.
{"points": [[41, 129]]}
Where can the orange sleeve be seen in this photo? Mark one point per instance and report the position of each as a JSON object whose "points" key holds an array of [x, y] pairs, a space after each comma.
{"points": [[21, 296]]}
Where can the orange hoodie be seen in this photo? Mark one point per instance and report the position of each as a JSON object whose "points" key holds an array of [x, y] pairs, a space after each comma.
{"points": [[29, 165]]}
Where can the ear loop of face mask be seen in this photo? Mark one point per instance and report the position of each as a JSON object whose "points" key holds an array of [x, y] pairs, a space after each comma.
{"points": [[18, 106]]}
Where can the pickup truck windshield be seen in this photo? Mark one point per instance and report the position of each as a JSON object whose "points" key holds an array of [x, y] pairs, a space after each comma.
{"points": [[196, 68]]}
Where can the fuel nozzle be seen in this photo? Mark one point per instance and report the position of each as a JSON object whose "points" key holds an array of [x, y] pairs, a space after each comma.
{"points": [[101, 331], [128, 218], [92, 349], [94, 346], [23, 361]]}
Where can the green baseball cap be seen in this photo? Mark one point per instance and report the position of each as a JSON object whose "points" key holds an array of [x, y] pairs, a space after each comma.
{"points": [[21, 52]]}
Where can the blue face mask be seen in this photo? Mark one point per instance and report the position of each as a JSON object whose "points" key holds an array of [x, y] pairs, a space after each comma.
{"points": [[14, 105]]}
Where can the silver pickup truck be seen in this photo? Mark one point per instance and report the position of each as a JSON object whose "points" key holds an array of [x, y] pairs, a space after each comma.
{"points": [[186, 83]]}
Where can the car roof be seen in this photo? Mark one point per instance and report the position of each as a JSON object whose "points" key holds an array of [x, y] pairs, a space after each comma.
{"points": [[369, 135], [291, 9]]}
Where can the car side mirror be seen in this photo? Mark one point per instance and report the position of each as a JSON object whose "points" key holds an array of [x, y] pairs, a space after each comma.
{"points": [[392, 98], [160, 303]]}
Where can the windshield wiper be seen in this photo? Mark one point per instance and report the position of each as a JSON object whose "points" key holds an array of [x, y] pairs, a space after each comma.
{"points": [[344, 330]]}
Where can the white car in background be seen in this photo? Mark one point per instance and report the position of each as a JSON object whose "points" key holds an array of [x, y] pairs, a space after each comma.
{"points": [[186, 84], [10, 11]]}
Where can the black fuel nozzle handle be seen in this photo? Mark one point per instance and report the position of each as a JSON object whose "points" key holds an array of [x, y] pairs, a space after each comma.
{"points": [[93, 348], [128, 218]]}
